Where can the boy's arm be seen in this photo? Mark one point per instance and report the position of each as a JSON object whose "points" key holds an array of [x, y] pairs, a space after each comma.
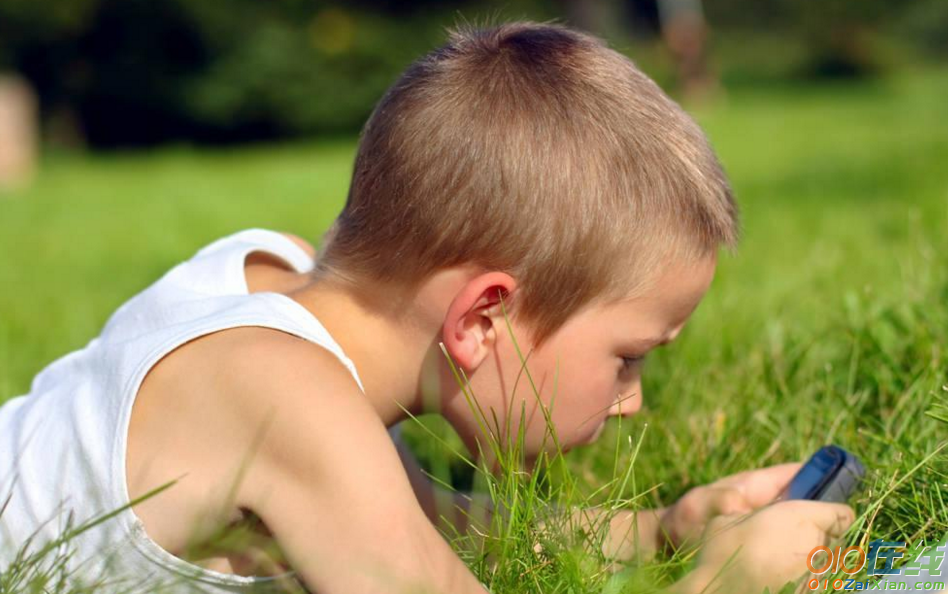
{"points": [[630, 534], [449, 510], [327, 481]]}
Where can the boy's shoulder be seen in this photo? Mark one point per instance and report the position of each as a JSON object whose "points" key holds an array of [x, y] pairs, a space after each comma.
{"points": [[226, 413], [314, 462], [265, 363], [295, 405], [267, 376]]}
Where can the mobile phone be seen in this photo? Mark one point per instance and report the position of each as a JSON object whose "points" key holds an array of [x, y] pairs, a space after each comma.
{"points": [[831, 474]]}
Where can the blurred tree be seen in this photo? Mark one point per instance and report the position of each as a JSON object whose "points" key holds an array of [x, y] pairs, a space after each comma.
{"points": [[596, 16], [130, 72], [643, 19], [39, 40], [135, 72], [294, 71], [926, 23], [842, 35], [138, 57]]}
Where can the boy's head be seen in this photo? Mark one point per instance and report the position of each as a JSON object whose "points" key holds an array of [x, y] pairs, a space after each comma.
{"points": [[537, 154]]}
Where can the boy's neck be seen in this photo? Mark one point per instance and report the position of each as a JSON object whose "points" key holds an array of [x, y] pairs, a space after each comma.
{"points": [[394, 346]]}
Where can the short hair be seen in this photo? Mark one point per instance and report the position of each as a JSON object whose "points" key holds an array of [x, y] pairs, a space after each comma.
{"points": [[535, 149]]}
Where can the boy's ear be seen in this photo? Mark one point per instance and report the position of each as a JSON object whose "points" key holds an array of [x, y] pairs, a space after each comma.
{"points": [[475, 316]]}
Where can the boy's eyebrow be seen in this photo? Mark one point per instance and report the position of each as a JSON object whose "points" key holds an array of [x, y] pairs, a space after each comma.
{"points": [[647, 343]]}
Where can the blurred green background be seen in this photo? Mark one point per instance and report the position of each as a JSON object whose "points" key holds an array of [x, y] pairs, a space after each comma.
{"points": [[139, 72], [166, 124]]}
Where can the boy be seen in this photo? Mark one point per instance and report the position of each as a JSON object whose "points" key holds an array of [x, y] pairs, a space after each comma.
{"points": [[526, 163]]}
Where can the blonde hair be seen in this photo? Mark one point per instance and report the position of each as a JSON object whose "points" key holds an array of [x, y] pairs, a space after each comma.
{"points": [[534, 149]]}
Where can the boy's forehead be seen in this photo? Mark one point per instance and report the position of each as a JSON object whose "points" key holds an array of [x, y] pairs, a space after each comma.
{"points": [[668, 302]]}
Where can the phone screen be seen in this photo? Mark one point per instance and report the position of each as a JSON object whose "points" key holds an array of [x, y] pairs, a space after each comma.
{"points": [[814, 475]]}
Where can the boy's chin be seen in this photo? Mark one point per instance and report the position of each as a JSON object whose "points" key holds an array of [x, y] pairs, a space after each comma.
{"points": [[530, 459], [564, 446], [595, 436]]}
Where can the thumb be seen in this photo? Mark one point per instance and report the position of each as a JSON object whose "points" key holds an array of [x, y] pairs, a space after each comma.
{"points": [[832, 518]]}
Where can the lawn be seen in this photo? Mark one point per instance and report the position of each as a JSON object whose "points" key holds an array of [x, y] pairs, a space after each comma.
{"points": [[830, 324]]}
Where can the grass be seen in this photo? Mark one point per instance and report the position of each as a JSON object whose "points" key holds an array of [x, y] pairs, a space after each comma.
{"points": [[830, 325]]}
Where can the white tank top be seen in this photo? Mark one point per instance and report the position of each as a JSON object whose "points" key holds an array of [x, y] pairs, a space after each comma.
{"points": [[65, 441]]}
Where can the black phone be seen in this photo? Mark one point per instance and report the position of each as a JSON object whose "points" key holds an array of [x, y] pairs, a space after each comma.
{"points": [[831, 474]]}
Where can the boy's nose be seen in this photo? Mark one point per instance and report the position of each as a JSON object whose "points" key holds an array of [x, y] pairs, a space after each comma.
{"points": [[628, 403]]}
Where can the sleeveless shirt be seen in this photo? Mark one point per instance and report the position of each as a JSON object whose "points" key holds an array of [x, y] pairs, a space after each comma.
{"points": [[63, 445]]}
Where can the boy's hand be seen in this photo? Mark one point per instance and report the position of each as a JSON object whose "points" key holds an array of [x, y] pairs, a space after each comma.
{"points": [[768, 548], [739, 493]]}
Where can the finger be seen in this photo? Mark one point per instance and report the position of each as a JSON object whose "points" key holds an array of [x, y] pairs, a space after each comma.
{"points": [[728, 501], [761, 486], [844, 518], [720, 524], [776, 472], [832, 518]]}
